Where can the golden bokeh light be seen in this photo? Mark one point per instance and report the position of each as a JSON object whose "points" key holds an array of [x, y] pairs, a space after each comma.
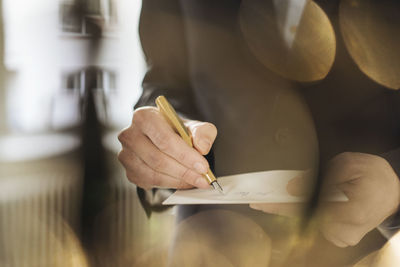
{"points": [[301, 50], [220, 238], [389, 255], [371, 32]]}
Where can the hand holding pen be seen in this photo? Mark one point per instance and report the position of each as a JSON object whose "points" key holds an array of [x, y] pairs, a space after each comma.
{"points": [[154, 155]]}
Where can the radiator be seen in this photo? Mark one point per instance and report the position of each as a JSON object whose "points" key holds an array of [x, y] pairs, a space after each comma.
{"points": [[39, 207]]}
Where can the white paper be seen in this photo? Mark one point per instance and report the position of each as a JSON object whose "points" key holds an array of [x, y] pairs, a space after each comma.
{"points": [[256, 187]]}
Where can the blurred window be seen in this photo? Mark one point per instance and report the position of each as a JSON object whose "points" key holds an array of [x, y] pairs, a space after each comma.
{"points": [[72, 81], [84, 19], [46, 59], [70, 21], [106, 80], [93, 7], [67, 102]]}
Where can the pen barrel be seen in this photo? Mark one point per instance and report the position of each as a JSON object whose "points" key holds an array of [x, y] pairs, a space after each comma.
{"points": [[176, 123], [173, 119], [210, 176]]}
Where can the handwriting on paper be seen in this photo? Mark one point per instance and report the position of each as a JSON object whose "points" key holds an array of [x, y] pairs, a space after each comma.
{"points": [[257, 187]]}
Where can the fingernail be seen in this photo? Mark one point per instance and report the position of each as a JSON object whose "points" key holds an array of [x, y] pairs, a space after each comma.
{"points": [[204, 144], [200, 168], [201, 182]]}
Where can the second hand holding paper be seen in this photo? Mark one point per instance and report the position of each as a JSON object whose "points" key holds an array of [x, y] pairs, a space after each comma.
{"points": [[257, 187]]}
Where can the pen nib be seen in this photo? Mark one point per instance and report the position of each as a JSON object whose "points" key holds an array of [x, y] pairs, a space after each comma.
{"points": [[217, 187]]}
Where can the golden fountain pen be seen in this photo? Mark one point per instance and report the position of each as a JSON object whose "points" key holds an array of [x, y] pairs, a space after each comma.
{"points": [[173, 119]]}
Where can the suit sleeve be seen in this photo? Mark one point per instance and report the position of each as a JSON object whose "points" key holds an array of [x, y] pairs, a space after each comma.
{"points": [[161, 32], [393, 155], [392, 225]]}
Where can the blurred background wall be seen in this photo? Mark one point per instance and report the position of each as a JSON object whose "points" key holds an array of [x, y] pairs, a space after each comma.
{"points": [[46, 49]]}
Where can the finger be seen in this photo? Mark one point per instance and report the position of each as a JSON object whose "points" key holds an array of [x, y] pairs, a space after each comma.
{"points": [[348, 234], [163, 163], [301, 185], [203, 134], [343, 212], [144, 176], [334, 240], [154, 126], [284, 209], [341, 169]]}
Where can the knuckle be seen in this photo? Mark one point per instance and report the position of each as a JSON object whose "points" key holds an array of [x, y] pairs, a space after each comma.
{"points": [[123, 158], [128, 137], [144, 116], [140, 115], [123, 136]]}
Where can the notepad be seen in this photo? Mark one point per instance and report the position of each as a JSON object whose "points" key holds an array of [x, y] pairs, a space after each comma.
{"points": [[256, 187]]}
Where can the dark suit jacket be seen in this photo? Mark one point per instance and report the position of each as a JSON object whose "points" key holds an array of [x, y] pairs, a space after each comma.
{"points": [[198, 59]]}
